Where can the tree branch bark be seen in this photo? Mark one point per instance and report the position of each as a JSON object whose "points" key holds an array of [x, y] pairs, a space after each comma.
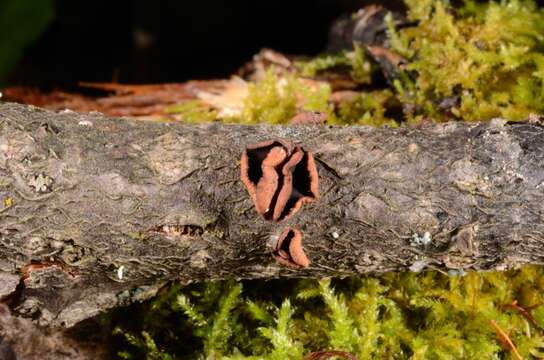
{"points": [[99, 212]]}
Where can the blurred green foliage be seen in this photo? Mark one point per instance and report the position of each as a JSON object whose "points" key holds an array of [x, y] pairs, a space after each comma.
{"points": [[21, 23]]}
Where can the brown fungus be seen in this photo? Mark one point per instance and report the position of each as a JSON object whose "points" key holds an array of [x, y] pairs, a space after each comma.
{"points": [[269, 182], [288, 249], [300, 184], [279, 178]]}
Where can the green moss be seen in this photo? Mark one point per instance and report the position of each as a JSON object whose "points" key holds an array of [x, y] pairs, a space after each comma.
{"points": [[192, 112], [355, 61], [369, 108], [267, 102], [313, 67], [283, 346], [394, 316], [474, 62], [489, 56], [276, 101]]}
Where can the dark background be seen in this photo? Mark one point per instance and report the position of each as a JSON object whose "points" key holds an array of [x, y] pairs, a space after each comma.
{"points": [[167, 40], [57, 43]]}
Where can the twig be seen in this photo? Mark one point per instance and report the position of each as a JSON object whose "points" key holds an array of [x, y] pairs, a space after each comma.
{"points": [[506, 339], [525, 313]]}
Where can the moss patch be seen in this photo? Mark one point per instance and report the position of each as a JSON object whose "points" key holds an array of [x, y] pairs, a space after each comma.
{"points": [[488, 58], [394, 316], [276, 100]]}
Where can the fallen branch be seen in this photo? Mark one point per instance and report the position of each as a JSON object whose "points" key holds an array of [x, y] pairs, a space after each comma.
{"points": [[101, 212]]}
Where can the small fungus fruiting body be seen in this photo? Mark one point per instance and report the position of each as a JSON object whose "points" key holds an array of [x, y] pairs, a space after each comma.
{"points": [[300, 184], [268, 183], [288, 249], [280, 178]]}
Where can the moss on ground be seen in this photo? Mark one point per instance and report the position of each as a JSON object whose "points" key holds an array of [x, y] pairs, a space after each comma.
{"points": [[489, 56], [394, 316], [276, 100]]}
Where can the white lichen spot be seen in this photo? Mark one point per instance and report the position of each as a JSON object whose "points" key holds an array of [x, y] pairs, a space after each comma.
{"points": [[120, 271], [457, 272], [421, 240], [34, 245], [85, 123], [417, 266], [67, 111], [41, 183], [427, 238]]}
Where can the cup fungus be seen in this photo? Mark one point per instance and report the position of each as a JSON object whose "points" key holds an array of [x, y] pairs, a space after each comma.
{"points": [[280, 178], [288, 249]]}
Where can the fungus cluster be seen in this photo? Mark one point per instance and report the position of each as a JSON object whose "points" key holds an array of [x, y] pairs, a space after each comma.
{"points": [[280, 178]]}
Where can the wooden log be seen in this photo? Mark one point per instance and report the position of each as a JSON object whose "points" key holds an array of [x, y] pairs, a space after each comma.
{"points": [[99, 212]]}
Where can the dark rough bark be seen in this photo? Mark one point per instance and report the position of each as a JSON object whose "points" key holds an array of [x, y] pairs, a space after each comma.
{"points": [[85, 196]]}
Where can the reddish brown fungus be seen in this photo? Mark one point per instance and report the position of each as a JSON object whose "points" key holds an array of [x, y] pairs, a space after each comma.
{"points": [[267, 185], [251, 164], [300, 184], [279, 178], [288, 249], [284, 193]]}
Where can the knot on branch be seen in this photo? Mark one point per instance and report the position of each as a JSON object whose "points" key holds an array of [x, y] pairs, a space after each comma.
{"points": [[280, 178]]}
